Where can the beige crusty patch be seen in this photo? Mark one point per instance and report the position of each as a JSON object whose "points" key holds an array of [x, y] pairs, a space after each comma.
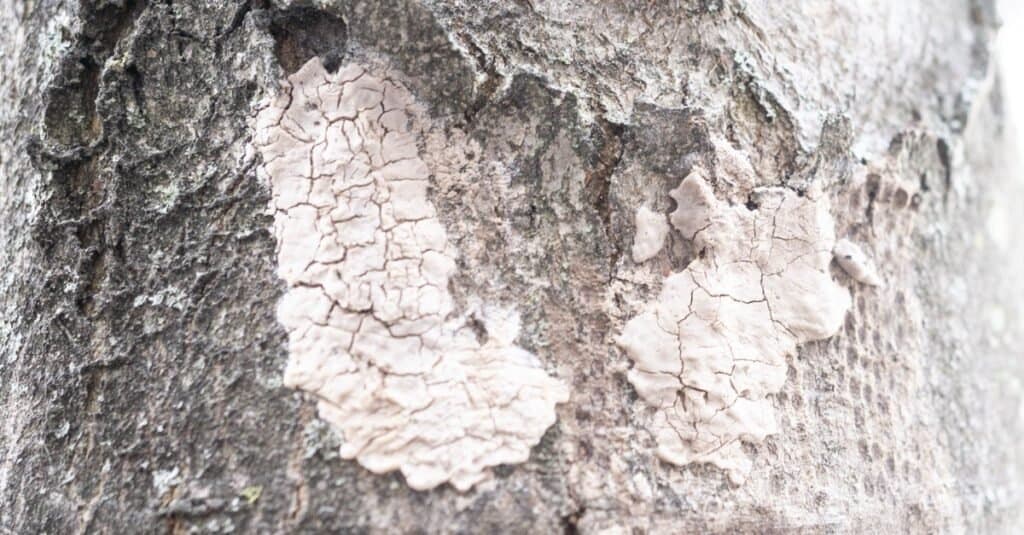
{"points": [[713, 346], [372, 329], [651, 231]]}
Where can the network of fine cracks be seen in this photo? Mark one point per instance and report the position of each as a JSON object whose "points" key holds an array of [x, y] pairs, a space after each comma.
{"points": [[713, 346], [372, 328]]}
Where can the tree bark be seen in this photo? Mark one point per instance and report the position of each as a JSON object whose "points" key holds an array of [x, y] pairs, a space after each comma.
{"points": [[141, 361]]}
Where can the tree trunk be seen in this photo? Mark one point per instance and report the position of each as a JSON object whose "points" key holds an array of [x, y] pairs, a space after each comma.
{"points": [[581, 164]]}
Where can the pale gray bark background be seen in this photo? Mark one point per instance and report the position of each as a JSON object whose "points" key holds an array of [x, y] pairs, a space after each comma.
{"points": [[140, 361]]}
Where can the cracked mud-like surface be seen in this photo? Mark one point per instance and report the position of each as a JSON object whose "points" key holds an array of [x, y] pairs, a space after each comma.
{"points": [[714, 346], [369, 316]]}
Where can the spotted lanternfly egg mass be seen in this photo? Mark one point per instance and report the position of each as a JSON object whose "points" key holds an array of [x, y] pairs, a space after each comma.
{"points": [[373, 331]]}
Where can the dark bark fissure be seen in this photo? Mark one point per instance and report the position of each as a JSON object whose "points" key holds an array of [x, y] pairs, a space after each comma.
{"points": [[301, 33], [598, 179]]}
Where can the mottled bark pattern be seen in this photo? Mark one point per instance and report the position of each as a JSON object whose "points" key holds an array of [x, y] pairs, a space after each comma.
{"points": [[141, 362]]}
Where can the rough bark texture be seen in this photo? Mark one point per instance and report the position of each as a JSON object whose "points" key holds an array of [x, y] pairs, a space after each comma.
{"points": [[141, 362]]}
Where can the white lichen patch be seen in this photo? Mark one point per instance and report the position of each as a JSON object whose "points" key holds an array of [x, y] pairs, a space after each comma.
{"points": [[651, 231], [713, 346], [855, 263], [372, 328]]}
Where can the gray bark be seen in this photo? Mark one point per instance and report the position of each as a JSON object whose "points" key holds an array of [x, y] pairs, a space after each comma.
{"points": [[141, 362]]}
